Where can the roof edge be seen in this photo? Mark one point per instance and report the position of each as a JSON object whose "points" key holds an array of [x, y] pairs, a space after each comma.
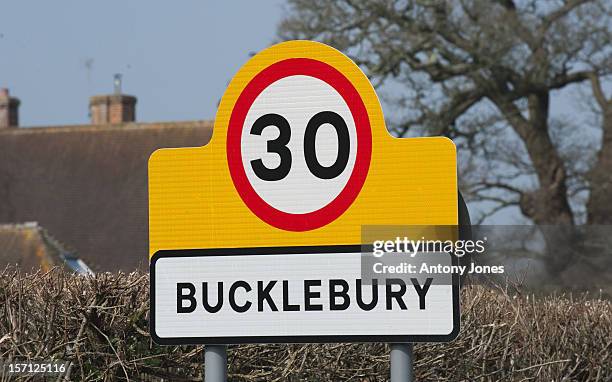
{"points": [[117, 126]]}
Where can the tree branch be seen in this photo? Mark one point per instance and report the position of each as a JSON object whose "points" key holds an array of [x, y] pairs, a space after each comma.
{"points": [[598, 92]]}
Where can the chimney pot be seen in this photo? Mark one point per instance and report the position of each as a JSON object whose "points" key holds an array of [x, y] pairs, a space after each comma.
{"points": [[9, 109], [117, 83]]}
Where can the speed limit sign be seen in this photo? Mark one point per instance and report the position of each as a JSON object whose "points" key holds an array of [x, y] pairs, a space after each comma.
{"points": [[299, 128], [258, 235]]}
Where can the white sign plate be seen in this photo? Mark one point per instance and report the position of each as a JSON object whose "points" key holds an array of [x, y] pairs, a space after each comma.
{"points": [[293, 294]]}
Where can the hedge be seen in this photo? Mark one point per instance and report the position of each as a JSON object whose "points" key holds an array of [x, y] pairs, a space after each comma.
{"points": [[99, 324]]}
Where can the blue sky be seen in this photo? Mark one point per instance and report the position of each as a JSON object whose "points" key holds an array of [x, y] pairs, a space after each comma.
{"points": [[176, 57]]}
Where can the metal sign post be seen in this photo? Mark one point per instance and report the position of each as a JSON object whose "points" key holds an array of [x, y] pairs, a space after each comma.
{"points": [[402, 360], [215, 363]]}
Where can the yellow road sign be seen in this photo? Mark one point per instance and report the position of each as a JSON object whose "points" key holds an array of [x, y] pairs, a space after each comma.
{"points": [[300, 155]]}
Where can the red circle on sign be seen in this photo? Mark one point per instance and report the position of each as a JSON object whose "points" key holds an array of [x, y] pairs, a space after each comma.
{"points": [[335, 208]]}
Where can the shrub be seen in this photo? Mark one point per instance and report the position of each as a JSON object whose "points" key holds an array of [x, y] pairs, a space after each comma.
{"points": [[100, 325]]}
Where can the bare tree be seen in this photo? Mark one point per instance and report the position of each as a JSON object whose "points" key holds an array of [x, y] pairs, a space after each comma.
{"points": [[482, 73]]}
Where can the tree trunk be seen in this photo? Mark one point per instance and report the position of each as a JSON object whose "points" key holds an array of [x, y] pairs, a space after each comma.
{"points": [[599, 206], [548, 205]]}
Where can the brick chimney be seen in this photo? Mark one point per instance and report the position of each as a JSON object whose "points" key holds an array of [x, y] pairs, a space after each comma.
{"points": [[113, 108], [9, 110]]}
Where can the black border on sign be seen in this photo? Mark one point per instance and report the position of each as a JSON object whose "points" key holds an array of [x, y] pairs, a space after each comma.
{"points": [[288, 339]]}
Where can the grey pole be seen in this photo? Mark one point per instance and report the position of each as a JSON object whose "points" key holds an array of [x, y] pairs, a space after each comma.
{"points": [[215, 363], [402, 360]]}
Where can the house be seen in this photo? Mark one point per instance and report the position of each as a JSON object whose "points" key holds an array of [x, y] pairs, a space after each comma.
{"points": [[87, 184], [31, 248]]}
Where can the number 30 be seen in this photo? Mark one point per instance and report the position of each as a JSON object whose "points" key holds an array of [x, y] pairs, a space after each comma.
{"points": [[279, 146]]}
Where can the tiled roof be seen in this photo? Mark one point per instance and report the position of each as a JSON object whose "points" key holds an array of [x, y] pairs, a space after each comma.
{"points": [[88, 184]]}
